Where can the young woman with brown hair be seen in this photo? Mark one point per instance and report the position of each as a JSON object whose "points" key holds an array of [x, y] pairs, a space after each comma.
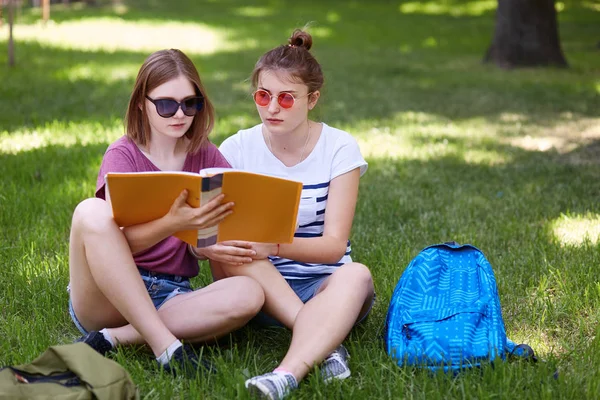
{"points": [[131, 285]]}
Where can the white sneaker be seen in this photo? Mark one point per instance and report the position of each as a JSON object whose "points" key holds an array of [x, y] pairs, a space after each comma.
{"points": [[335, 366], [273, 385]]}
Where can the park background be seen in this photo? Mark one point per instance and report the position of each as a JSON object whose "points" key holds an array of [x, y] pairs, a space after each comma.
{"points": [[506, 159]]}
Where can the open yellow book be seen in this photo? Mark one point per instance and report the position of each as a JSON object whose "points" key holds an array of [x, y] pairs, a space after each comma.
{"points": [[265, 209]]}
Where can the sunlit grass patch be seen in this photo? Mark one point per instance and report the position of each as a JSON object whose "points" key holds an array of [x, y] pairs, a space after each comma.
{"points": [[232, 123], [254, 11], [422, 136], [539, 340], [448, 7], [100, 73], [457, 150], [595, 6], [60, 133], [577, 229], [569, 136], [114, 34]]}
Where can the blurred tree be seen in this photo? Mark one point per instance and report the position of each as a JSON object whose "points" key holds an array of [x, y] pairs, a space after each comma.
{"points": [[11, 44], [526, 34], [45, 10]]}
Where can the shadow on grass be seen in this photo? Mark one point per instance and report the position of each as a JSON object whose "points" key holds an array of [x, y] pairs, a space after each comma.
{"points": [[507, 210], [375, 71], [39, 191], [402, 63]]}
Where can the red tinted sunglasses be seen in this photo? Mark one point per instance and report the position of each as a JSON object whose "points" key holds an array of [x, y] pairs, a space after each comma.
{"points": [[262, 98]]}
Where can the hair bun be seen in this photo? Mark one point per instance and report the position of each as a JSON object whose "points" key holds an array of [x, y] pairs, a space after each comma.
{"points": [[300, 38]]}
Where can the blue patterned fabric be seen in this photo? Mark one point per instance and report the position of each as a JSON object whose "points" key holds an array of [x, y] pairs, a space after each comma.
{"points": [[445, 311]]}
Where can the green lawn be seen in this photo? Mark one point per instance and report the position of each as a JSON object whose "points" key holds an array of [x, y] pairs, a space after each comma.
{"points": [[457, 150]]}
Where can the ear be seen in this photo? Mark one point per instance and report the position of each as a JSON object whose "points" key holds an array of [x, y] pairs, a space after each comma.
{"points": [[313, 99]]}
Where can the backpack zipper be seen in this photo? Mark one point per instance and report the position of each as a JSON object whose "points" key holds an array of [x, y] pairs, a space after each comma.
{"points": [[406, 331]]}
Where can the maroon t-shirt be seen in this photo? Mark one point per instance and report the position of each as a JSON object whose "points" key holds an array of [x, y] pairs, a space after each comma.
{"points": [[169, 256]]}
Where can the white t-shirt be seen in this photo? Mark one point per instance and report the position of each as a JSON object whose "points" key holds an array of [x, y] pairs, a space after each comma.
{"points": [[335, 153]]}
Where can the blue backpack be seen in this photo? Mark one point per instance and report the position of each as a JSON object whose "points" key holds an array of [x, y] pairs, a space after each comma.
{"points": [[445, 312]]}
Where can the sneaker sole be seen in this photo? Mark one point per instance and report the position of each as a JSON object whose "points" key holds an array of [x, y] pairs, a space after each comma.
{"points": [[342, 376], [257, 389]]}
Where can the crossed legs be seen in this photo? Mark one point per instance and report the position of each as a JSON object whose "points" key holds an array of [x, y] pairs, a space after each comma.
{"points": [[321, 324], [108, 292]]}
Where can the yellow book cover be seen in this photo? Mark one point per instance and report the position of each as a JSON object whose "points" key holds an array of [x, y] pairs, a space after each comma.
{"points": [[265, 209]]}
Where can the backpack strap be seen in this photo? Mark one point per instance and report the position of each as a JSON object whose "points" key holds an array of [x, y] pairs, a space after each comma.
{"points": [[453, 245], [522, 351], [66, 379], [105, 378]]}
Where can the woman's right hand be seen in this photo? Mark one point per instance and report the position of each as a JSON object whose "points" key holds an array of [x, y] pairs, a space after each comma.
{"points": [[185, 217]]}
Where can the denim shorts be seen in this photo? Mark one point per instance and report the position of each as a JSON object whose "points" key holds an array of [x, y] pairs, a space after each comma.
{"points": [[160, 287], [305, 289]]}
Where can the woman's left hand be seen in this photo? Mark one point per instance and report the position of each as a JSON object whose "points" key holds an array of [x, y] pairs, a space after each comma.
{"points": [[232, 252], [264, 250]]}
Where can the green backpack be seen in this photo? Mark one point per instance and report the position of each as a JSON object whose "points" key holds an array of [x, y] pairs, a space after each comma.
{"points": [[71, 371]]}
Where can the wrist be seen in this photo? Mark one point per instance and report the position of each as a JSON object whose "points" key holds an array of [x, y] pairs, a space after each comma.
{"points": [[171, 224], [276, 249], [197, 252]]}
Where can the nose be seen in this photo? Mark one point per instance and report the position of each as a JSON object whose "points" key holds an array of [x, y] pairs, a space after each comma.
{"points": [[179, 113], [273, 105]]}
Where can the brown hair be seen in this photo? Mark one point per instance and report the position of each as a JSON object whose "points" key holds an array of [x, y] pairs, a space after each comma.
{"points": [[294, 58], [161, 67]]}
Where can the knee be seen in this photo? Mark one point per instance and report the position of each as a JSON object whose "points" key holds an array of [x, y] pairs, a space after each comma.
{"points": [[92, 215], [358, 276], [246, 298]]}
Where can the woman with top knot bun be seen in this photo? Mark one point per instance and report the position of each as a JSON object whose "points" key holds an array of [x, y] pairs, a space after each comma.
{"points": [[312, 285]]}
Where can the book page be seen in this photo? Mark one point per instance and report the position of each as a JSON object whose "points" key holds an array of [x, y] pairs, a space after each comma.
{"points": [[211, 187], [214, 171], [265, 207]]}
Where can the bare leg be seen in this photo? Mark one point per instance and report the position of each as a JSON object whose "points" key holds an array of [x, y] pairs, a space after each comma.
{"points": [[106, 287], [325, 320], [206, 313], [280, 300], [320, 325]]}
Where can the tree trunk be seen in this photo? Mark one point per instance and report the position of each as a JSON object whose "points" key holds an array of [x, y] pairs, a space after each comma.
{"points": [[526, 35], [11, 44], [45, 10]]}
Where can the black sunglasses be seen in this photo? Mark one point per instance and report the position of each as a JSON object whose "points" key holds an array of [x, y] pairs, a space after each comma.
{"points": [[166, 108]]}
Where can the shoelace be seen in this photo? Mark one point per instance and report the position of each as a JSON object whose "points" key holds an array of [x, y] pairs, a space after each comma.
{"points": [[335, 356], [279, 382], [283, 383]]}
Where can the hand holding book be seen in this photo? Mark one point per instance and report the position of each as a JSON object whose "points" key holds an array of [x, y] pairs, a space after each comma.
{"points": [[265, 207], [233, 252], [184, 217]]}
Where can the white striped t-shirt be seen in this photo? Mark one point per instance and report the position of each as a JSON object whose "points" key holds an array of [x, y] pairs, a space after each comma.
{"points": [[335, 153]]}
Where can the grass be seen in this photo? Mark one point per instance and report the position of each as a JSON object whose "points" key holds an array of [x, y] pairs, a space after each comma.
{"points": [[457, 150]]}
